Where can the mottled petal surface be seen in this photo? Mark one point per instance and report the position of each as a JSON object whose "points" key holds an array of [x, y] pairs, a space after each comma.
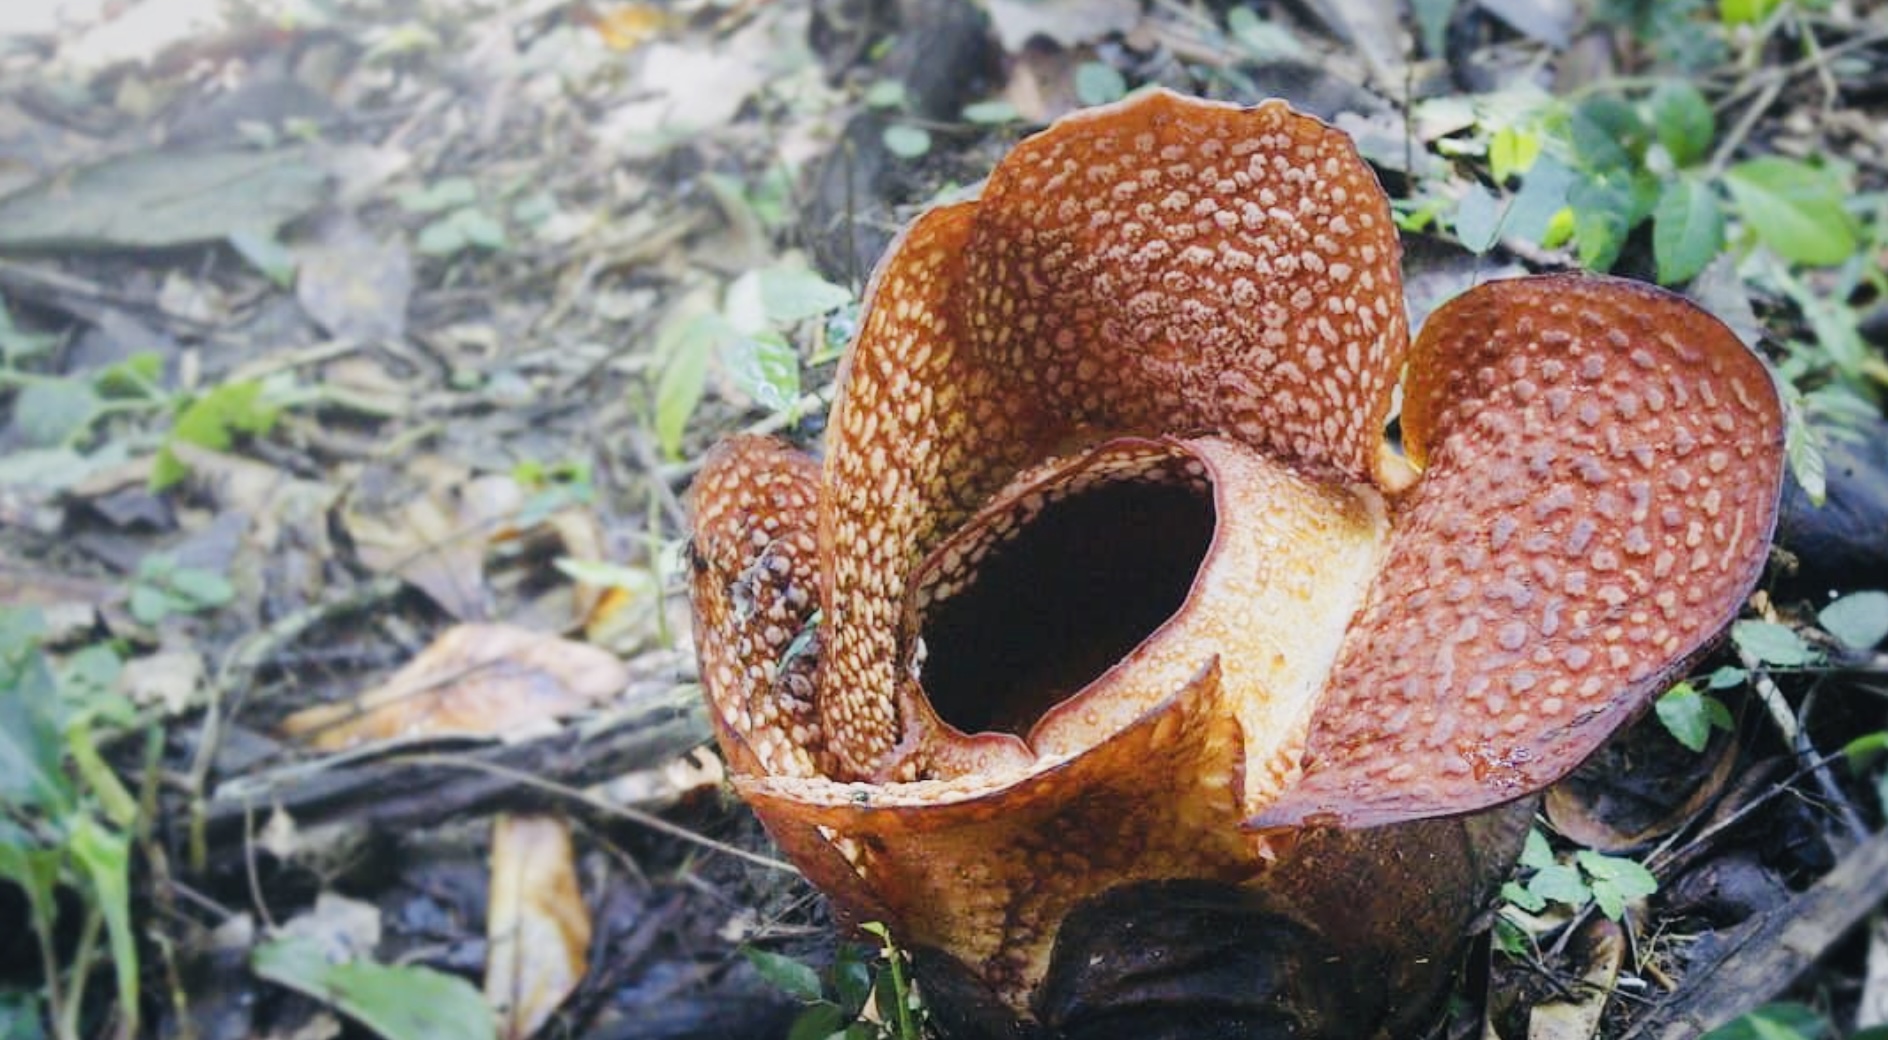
{"points": [[1162, 265], [1601, 470]]}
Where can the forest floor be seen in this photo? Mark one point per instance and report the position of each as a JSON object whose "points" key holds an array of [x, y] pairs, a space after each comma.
{"points": [[356, 359]]}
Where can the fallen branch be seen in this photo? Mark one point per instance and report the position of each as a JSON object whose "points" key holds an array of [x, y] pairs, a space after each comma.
{"points": [[419, 785], [1765, 954]]}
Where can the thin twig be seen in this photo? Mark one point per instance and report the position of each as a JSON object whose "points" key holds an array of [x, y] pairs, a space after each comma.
{"points": [[637, 816], [241, 663]]}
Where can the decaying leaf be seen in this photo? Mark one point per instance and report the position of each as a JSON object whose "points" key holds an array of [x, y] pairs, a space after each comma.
{"points": [[537, 924], [353, 284], [432, 530], [479, 680], [159, 199]]}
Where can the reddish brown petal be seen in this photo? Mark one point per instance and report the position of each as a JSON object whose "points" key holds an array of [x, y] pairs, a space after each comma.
{"points": [[1170, 265], [753, 589], [987, 867], [1603, 464], [1163, 265], [915, 426]]}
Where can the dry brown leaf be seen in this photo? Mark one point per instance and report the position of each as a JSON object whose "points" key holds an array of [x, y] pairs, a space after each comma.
{"points": [[1601, 947], [170, 679], [353, 284], [487, 679], [537, 927], [434, 536], [624, 27]]}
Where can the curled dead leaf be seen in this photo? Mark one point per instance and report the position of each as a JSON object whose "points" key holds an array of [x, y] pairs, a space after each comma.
{"points": [[474, 680], [537, 924]]}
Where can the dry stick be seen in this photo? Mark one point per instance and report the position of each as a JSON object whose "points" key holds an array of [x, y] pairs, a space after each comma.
{"points": [[637, 816], [1765, 954], [242, 662], [1793, 735]]}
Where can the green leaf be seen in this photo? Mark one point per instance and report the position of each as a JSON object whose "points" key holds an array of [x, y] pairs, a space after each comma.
{"points": [[1432, 17], [1683, 120], [134, 376], [795, 979], [1543, 194], [1536, 852], [819, 1022], [1512, 151], [1782, 1021], [1516, 893], [686, 348], [906, 141], [852, 978], [32, 742], [1560, 883], [1608, 136], [1727, 677], [1687, 230], [266, 253], [1477, 219], [36, 871], [1683, 712], [991, 113], [441, 238], [21, 1017], [1858, 620], [765, 367], [1628, 877], [1772, 643], [400, 1003], [50, 412], [481, 229], [450, 193], [105, 858], [1803, 449], [782, 295], [885, 93], [150, 604], [202, 588], [1602, 217], [1098, 83], [1865, 747], [1746, 12], [1796, 209]]}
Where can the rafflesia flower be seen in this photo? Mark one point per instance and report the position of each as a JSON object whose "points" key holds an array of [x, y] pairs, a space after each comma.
{"points": [[1115, 660]]}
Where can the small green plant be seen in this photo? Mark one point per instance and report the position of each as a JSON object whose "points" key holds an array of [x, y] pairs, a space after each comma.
{"points": [[748, 336], [65, 821], [163, 587], [1608, 882], [1690, 715], [1786, 1021], [214, 419], [1619, 159], [836, 999], [459, 219]]}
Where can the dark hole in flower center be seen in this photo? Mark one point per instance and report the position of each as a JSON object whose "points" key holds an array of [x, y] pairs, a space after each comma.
{"points": [[1050, 609]]}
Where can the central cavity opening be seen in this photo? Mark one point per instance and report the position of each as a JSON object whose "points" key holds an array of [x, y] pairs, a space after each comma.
{"points": [[1052, 608]]}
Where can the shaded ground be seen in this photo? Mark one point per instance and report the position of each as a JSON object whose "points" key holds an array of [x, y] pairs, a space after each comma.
{"points": [[332, 328]]}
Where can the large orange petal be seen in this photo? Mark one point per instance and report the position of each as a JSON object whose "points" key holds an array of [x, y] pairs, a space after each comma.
{"points": [[1162, 265], [1602, 469], [986, 867]]}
